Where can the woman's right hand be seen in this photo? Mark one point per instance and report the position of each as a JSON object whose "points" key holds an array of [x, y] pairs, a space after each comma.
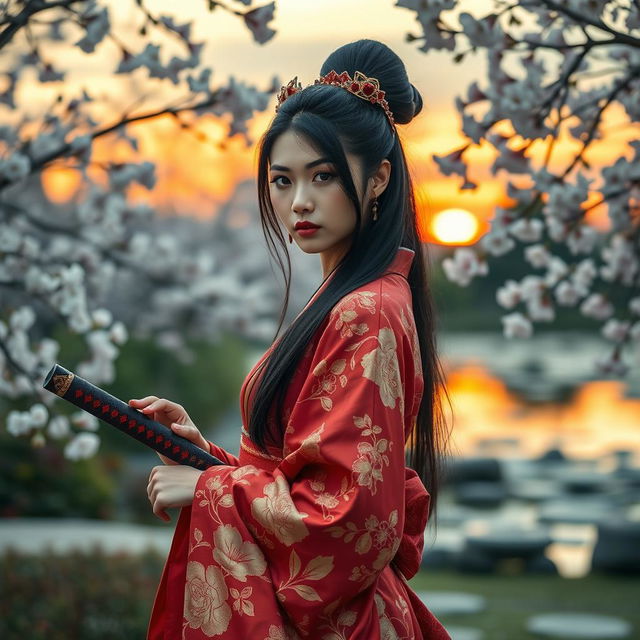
{"points": [[171, 415]]}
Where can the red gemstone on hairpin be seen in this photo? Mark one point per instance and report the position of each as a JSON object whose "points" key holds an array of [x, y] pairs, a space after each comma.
{"points": [[368, 88], [355, 86]]}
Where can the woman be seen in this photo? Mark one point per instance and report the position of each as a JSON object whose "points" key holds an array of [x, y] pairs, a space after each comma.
{"points": [[314, 530]]}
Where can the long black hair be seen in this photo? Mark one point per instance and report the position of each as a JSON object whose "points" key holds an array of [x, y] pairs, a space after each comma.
{"points": [[333, 120]]}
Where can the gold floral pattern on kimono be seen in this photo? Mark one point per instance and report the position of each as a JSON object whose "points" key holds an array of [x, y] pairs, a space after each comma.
{"points": [[372, 457], [205, 596], [306, 543], [277, 513], [381, 366], [239, 557], [349, 309]]}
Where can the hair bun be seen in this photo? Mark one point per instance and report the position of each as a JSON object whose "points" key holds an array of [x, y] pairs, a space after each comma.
{"points": [[417, 101], [375, 59]]}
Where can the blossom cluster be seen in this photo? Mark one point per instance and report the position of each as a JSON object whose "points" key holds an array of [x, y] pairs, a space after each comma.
{"points": [[104, 267], [559, 51]]}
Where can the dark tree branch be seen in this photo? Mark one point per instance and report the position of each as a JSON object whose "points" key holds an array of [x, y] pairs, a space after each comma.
{"points": [[64, 149], [580, 18], [15, 23]]}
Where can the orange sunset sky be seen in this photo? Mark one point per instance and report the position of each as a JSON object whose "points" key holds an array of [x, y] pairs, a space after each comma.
{"points": [[195, 175]]}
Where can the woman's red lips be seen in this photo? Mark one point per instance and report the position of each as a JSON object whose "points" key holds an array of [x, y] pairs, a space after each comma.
{"points": [[306, 225]]}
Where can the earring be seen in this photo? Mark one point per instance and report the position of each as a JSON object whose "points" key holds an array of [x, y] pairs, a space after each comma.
{"points": [[290, 239], [374, 208]]}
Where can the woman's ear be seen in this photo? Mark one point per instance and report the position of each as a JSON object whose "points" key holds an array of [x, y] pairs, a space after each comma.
{"points": [[381, 177]]}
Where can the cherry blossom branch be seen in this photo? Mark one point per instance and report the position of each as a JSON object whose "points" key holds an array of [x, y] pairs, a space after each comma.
{"points": [[63, 150], [622, 38], [594, 124], [106, 252], [31, 8]]}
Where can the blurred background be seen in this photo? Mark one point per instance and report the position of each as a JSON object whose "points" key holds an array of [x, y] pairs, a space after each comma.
{"points": [[541, 507]]}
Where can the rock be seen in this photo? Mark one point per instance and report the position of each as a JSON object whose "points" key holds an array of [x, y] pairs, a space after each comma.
{"points": [[453, 515], [552, 455], [474, 561], [577, 510], [578, 625], [481, 495], [535, 489], [623, 458], [630, 476], [541, 564], [617, 548], [442, 558], [580, 481], [510, 541], [442, 553], [476, 468], [507, 548]]}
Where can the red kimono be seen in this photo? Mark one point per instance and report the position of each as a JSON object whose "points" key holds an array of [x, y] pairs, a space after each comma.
{"points": [[316, 540]]}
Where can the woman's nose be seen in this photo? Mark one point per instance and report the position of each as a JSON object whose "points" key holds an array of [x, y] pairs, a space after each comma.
{"points": [[302, 200]]}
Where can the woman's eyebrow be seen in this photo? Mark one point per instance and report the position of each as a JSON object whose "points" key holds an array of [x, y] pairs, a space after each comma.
{"points": [[309, 165]]}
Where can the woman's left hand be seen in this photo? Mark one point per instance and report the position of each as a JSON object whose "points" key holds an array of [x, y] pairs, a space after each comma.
{"points": [[171, 486]]}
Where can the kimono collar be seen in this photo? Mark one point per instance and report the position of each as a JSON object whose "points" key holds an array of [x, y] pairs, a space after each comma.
{"points": [[402, 262]]}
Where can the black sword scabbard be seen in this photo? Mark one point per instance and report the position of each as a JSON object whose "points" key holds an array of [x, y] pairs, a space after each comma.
{"points": [[120, 415]]}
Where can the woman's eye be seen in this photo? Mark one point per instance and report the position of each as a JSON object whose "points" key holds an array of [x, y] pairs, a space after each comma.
{"points": [[328, 175]]}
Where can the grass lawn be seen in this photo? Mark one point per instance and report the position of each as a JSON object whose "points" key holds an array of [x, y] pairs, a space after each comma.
{"points": [[512, 599]]}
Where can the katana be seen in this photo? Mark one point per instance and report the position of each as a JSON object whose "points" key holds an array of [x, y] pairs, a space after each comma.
{"points": [[119, 414]]}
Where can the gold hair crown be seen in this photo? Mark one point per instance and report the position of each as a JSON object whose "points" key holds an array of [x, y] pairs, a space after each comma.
{"points": [[361, 86]]}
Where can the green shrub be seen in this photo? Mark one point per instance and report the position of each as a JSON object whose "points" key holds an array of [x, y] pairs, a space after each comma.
{"points": [[41, 482], [77, 595]]}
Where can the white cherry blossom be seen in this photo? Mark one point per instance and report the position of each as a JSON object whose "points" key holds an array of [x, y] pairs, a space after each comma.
{"points": [[567, 294], [509, 294], [517, 325], [81, 446], [464, 266], [597, 306], [527, 229], [615, 329], [537, 255]]}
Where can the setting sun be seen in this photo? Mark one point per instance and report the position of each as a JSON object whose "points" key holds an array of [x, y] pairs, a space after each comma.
{"points": [[454, 226]]}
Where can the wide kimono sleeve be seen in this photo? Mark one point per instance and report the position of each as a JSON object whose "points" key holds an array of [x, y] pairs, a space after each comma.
{"points": [[308, 539]]}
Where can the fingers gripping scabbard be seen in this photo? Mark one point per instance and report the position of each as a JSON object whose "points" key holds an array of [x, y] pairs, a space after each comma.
{"points": [[120, 415]]}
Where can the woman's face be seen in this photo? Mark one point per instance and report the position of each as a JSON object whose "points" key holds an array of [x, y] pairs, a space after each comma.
{"points": [[305, 187]]}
